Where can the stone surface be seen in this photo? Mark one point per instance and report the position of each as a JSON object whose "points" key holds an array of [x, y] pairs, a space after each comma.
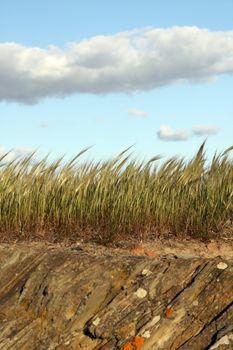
{"points": [[66, 298]]}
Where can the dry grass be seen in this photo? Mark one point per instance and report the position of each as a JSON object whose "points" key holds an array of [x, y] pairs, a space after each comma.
{"points": [[115, 198]]}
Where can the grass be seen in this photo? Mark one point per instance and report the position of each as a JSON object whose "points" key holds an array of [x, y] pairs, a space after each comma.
{"points": [[117, 198]]}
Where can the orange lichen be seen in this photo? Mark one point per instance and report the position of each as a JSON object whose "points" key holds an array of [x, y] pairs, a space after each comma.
{"points": [[169, 312], [135, 344], [139, 250], [151, 253]]}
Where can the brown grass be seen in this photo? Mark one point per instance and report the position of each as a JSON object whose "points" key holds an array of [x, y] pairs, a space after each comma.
{"points": [[117, 198]]}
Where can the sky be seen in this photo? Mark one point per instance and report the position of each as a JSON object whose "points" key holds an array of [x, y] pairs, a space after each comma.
{"points": [[155, 74]]}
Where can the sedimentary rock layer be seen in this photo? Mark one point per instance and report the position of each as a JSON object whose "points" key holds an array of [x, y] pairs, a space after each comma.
{"points": [[71, 299]]}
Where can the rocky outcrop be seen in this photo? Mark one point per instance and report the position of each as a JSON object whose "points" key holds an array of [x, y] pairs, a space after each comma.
{"points": [[68, 298]]}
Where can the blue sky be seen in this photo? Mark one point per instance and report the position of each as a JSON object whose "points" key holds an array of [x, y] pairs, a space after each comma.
{"points": [[156, 74]]}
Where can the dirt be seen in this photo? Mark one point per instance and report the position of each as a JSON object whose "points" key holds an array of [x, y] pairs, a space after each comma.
{"points": [[157, 248]]}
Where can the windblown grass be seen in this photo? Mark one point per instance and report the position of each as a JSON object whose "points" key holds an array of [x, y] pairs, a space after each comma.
{"points": [[117, 197]]}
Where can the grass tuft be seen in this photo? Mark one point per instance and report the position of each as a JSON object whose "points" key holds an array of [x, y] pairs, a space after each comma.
{"points": [[119, 197]]}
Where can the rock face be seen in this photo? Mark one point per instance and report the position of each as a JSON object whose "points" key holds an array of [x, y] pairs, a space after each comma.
{"points": [[72, 299]]}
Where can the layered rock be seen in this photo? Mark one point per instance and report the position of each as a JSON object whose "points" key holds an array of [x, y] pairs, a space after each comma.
{"points": [[69, 298]]}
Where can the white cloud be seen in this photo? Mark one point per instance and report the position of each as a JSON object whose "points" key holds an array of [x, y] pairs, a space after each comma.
{"points": [[127, 62], [167, 134], [44, 125], [201, 130], [17, 152], [137, 112]]}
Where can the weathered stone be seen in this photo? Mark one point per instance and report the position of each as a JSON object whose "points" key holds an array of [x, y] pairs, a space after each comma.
{"points": [[61, 298]]}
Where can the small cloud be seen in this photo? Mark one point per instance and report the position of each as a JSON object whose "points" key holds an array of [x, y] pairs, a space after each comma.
{"points": [[167, 134], [100, 120], [202, 130], [15, 153], [44, 125], [137, 112]]}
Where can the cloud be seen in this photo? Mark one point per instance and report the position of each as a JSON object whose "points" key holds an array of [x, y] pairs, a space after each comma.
{"points": [[100, 120], [127, 62], [167, 134], [137, 112], [44, 125], [202, 130], [15, 153]]}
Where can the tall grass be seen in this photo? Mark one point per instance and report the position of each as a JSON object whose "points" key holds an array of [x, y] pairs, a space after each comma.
{"points": [[117, 197]]}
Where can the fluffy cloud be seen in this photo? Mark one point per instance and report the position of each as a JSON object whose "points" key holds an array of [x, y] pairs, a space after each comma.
{"points": [[15, 153], [126, 62], [166, 133], [202, 130], [137, 112]]}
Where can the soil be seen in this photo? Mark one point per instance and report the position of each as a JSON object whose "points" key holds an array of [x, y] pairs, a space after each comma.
{"points": [[156, 248]]}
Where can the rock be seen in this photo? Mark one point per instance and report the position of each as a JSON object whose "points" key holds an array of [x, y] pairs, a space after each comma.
{"points": [[222, 265], [62, 298]]}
